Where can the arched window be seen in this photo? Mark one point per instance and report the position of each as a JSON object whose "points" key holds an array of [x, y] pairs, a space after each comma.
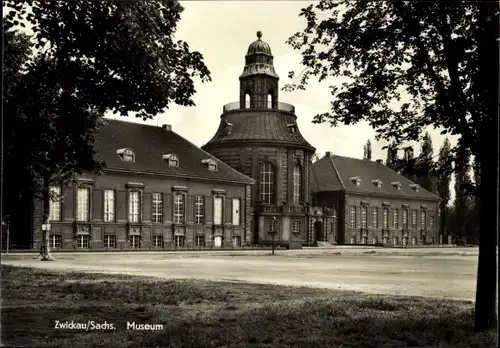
{"points": [[247, 100], [266, 183], [297, 185], [269, 100]]}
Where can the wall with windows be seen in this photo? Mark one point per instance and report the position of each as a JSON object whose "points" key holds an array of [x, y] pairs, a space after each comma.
{"points": [[122, 211]]}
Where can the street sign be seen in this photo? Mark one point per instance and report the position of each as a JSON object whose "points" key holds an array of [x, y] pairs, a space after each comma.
{"points": [[45, 227]]}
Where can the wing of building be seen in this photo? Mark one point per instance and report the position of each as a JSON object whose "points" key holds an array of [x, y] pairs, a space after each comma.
{"points": [[253, 182]]}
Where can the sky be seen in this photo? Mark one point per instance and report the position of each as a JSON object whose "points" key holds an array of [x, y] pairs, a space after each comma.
{"points": [[222, 32]]}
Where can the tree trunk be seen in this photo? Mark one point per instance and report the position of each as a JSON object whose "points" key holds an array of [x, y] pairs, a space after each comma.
{"points": [[45, 249], [486, 290]]}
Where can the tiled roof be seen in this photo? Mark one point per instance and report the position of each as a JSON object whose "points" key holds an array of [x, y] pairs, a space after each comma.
{"points": [[336, 173], [149, 143], [258, 125]]}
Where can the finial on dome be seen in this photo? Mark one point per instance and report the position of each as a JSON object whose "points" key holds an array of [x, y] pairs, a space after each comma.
{"points": [[259, 34]]}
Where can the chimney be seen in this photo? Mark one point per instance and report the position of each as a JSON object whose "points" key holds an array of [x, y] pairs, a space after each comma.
{"points": [[328, 154], [379, 161], [167, 127]]}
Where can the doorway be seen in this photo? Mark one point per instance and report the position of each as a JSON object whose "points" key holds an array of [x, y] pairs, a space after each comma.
{"points": [[318, 230], [218, 241]]}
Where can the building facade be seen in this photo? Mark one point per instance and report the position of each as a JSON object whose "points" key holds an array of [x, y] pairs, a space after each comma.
{"points": [[259, 136], [158, 191], [365, 202]]}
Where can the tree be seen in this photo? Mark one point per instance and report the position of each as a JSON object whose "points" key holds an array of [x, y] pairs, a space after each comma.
{"points": [[425, 166], [392, 156], [462, 179], [367, 155], [442, 56], [445, 169], [89, 58]]}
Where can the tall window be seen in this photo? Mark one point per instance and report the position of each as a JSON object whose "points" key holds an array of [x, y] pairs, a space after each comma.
{"points": [[395, 218], [157, 208], [236, 241], [247, 101], [55, 203], [179, 241], [236, 212], [363, 216], [110, 241], [218, 210], [413, 219], [179, 207], [83, 241], [55, 241], [109, 205], [272, 226], [431, 222], [352, 217], [375, 218], [200, 241], [269, 101], [134, 206], [405, 218], [385, 218], [267, 183], [158, 241], [82, 204], [422, 219], [199, 209], [297, 185], [135, 241]]}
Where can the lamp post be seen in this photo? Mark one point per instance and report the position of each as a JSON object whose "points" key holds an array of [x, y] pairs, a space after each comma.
{"points": [[272, 230]]}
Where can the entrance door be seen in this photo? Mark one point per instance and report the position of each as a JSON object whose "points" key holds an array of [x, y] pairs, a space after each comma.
{"points": [[218, 241], [318, 229]]}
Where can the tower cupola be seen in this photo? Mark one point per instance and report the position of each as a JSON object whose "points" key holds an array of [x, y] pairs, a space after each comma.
{"points": [[259, 81]]}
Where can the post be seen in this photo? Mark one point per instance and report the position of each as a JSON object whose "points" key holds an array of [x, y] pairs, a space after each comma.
{"points": [[8, 237], [273, 244]]}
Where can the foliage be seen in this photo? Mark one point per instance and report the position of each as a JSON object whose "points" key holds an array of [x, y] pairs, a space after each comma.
{"points": [[462, 168], [445, 169], [392, 156], [367, 150], [438, 61], [425, 177]]}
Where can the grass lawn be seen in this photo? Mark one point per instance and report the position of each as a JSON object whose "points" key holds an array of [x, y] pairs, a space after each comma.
{"points": [[198, 314]]}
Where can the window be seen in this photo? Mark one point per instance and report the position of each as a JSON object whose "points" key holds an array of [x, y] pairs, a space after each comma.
{"points": [[422, 219], [375, 218], [431, 222], [292, 128], [405, 218], [236, 241], [158, 241], [126, 155], [82, 204], [135, 241], [199, 209], [272, 226], [218, 210], [179, 207], [297, 185], [109, 205], [228, 127], [200, 241], [55, 241], [363, 216], [296, 227], [179, 241], [55, 203], [395, 218], [236, 212], [110, 241], [385, 218], [134, 206], [157, 208], [82, 241], [211, 164], [352, 217], [269, 101], [247, 100], [171, 159], [413, 219], [267, 183]]}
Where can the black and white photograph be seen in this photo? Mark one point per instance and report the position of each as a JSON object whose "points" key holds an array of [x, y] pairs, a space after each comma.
{"points": [[237, 174]]}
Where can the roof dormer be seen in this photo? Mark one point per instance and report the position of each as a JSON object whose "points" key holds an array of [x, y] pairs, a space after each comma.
{"points": [[292, 127], [355, 180], [377, 183], [415, 187], [228, 127], [210, 163], [397, 185], [126, 155], [171, 159]]}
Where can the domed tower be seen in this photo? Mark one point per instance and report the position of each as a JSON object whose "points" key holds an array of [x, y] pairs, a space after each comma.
{"points": [[259, 137]]}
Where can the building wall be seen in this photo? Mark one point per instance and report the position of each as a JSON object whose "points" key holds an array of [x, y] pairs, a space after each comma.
{"points": [[347, 234], [67, 226]]}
